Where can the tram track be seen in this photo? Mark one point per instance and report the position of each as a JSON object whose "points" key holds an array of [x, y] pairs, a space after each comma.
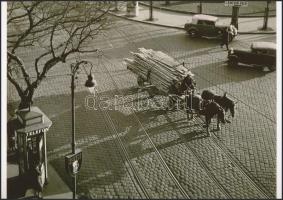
{"points": [[202, 164], [157, 152], [200, 161], [234, 161], [125, 154], [242, 169], [256, 184]]}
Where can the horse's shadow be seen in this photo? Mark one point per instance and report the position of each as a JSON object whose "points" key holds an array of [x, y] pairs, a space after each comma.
{"points": [[194, 135]]}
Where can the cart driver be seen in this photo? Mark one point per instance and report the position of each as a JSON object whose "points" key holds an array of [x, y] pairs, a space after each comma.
{"points": [[188, 83]]}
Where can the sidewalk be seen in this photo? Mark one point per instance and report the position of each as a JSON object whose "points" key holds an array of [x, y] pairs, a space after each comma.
{"points": [[55, 189], [208, 8], [173, 19]]}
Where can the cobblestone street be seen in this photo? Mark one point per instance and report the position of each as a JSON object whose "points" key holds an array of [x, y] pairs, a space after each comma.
{"points": [[139, 152]]}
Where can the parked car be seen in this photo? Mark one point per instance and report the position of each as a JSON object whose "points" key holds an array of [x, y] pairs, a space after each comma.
{"points": [[209, 26], [260, 54]]}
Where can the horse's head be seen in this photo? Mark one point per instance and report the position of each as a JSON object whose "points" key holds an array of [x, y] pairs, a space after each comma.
{"points": [[228, 104], [207, 95]]}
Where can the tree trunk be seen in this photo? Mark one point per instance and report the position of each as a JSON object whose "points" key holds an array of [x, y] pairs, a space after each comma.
{"points": [[27, 99]]}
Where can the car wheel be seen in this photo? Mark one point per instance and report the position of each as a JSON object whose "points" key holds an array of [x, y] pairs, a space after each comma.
{"points": [[192, 33], [233, 61]]}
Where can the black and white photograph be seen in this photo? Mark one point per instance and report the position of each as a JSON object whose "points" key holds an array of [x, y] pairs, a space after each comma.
{"points": [[141, 99]]}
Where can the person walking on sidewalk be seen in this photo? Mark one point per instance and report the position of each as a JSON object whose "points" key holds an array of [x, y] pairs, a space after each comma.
{"points": [[225, 38]]}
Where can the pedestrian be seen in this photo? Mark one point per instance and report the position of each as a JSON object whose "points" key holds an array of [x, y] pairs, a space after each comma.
{"points": [[34, 178], [38, 178], [233, 30], [225, 38]]}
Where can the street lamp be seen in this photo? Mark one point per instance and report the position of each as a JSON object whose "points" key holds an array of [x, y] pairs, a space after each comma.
{"points": [[90, 84], [73, 160]]}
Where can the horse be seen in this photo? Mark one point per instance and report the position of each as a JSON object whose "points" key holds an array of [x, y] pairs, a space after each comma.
{"points": [[225, 102], [207, 108]]}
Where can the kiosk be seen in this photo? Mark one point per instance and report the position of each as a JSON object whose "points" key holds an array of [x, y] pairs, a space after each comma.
{"points": [[132, 8], [30, 127]]}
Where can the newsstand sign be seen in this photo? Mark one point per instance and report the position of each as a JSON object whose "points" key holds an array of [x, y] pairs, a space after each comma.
{"points": [[236, 3], [73, 162]]}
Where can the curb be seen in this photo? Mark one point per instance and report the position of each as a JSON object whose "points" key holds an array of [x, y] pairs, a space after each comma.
{"points": [[194, 13], [180, 28]]}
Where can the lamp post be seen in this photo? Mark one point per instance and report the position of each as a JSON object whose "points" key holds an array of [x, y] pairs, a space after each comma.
{"points": [[73, 161]]}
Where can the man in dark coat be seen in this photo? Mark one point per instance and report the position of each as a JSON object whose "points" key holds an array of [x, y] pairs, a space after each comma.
{"points": [[188, 83], [225, 38]]}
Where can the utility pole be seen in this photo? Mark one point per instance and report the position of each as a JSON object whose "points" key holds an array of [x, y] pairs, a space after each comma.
{"points": [[265, 20], [235, 16], [116, 6], [150, 11], [200, 7]]}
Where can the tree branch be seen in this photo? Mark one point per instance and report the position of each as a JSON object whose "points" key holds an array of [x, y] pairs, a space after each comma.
{"points": [[17, 86], [22, 67]]}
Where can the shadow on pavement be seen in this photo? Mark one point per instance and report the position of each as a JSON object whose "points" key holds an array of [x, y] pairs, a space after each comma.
{"points": [[16, 188]]}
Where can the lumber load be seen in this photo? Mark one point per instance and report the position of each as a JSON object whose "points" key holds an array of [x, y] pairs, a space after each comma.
{"points": [[157, 68]]}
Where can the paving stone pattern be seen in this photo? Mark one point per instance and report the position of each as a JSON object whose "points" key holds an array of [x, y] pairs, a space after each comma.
{"points": [[201, 168]]}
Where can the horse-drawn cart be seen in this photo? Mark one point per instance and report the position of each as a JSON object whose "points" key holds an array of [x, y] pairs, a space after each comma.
{"points": [[174, 80]]}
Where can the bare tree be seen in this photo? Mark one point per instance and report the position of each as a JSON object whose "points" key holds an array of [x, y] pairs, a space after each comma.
{"points": [[59, 28]]}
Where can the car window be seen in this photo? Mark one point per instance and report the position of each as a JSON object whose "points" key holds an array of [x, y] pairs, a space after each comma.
{"points": [[210, 23], [272, 52], [200, 22], [264, 51], [255, 50]]}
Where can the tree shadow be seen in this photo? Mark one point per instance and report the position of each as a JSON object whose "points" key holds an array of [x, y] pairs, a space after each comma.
{"points": [[103, 163]]}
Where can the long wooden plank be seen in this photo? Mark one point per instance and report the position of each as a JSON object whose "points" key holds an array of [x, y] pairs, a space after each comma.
{"points": [[163, 68]]}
